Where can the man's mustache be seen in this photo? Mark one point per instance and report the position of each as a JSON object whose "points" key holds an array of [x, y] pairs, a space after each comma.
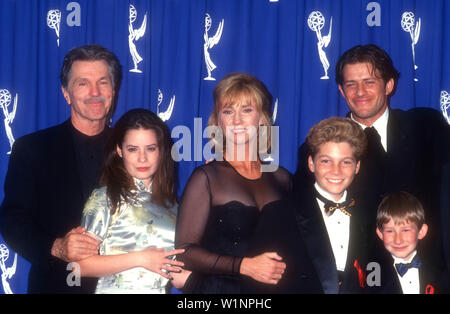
{"points": [[94, 99]]}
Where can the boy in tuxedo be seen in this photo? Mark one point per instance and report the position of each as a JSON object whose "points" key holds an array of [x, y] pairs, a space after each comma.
{"points": [[318, 233], [400, 226]]}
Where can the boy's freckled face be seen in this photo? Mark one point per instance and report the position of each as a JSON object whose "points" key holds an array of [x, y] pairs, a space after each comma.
{"points": [[334, 167], [401, 239]]}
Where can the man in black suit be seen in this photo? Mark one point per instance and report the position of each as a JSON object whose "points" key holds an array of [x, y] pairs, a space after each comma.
{"points": [[52, 172], [406, 148], [413, 143]]}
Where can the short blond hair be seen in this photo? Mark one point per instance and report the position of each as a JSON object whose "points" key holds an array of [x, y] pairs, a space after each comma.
{"points": [[401, 207], [236, 87], [337, 130]]}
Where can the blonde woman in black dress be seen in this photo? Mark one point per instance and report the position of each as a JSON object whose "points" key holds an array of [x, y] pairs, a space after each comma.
{"points": [[223, 199]]}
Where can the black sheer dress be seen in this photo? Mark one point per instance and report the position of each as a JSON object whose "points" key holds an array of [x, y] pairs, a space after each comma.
{"points": [[218, 213]]}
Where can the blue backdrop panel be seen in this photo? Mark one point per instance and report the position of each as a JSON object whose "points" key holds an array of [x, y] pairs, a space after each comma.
{"points": [[173, 53]]}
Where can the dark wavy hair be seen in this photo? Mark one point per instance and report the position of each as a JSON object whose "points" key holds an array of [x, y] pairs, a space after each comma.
{"points": [[93, 53], [114, 176], [372, 54]]}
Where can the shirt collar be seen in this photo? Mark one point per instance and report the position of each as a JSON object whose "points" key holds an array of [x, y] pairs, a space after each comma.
{"points": [[140, 185], [380, 125], [328, 196], [401, 260]]}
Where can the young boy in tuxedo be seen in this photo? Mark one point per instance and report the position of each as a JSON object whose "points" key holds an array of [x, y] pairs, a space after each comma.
{"points": [[318, 233], [400, 226]]}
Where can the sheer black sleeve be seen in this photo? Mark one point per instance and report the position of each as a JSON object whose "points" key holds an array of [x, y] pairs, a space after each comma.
{"points": [[194, 211]]}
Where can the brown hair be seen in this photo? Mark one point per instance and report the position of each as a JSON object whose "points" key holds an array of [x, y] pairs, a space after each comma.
{"points": [[236, 87], [400, 207], [93, 53], [373, 55], [337, 130], [114, 175]]}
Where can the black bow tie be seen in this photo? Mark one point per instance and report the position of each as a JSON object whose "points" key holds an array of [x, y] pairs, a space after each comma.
{"points": [[330, 206], [402, 268]]}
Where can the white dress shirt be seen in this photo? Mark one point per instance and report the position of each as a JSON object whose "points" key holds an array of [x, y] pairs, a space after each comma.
{"points": [[410, 281], [338, 228], [380, 125]]}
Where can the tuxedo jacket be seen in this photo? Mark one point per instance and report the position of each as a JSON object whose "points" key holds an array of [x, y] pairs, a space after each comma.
{"points": [[43, 201], [432, 278], [297, 232], [417, 148], [445, 212]]}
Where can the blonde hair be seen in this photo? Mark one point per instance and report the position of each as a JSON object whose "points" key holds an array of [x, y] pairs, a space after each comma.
{"points": [[400, 207], [238, 87], [337, 130]]}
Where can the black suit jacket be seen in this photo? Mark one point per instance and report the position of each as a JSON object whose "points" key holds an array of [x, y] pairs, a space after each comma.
{"points": [[445, 211], [43, 201], [432, 279], [416, 152], [417, 142], [297, 232]]}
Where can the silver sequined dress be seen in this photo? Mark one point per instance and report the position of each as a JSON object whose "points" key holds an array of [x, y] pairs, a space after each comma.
{"points": [[135, 226]]}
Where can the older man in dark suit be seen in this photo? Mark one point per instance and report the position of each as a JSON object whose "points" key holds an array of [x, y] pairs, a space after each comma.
{"points": [[52, 172]]}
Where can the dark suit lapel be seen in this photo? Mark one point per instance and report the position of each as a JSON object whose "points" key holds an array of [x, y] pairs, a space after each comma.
{"points": [[430, 276], [353, 243], [401, 149], [314, 233], [66, 149], [425, 281], [390, 283], [358, 239], [354, 250], [357, 251], [394, 285]]}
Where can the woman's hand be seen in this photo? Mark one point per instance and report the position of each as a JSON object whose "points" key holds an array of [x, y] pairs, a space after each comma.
{"points": [[179, 277], [159, 261], [266, 268]]}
